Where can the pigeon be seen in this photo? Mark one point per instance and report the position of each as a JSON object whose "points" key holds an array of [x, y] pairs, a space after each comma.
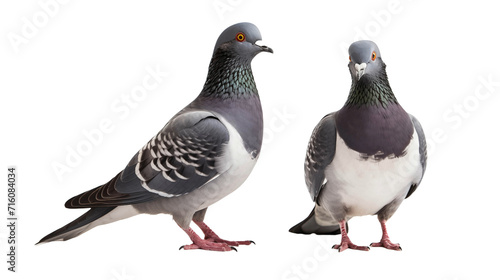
{"points": [[364, 159], [205, 152]]}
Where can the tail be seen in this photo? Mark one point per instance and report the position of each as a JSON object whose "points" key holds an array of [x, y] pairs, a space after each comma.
{"points": [[310, 225], [82, 224]]}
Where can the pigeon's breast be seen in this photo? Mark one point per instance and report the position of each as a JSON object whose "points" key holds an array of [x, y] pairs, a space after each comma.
{"points": [[374, 131], [363, 186]]}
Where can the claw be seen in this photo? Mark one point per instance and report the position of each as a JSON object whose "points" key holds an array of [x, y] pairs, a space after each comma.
{"points": [[386, 243], [202, 244], [232, 248]]}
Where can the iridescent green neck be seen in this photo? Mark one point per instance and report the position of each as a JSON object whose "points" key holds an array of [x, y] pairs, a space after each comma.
{"points": [[371, 90], [229, 77]]}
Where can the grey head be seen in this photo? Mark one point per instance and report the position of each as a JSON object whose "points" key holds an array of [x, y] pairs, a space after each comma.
{"points": [[370, 84], [241, 38], [364, 59], [230, 74]]}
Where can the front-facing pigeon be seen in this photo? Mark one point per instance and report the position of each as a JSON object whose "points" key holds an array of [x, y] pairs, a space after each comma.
{"points": [[364, 159], [205, 152]]}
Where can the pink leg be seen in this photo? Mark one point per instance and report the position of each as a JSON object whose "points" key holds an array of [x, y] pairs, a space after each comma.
{"points": [[346, 242], [211, 236], [385, 241], [199, 243]]}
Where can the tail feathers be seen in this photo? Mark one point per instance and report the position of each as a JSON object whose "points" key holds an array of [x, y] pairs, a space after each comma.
{"points": [[78, 226], [310, 225]]}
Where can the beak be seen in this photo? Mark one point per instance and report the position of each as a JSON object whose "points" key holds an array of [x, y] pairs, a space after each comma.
{"points": [[360, 70], [265, 49]]}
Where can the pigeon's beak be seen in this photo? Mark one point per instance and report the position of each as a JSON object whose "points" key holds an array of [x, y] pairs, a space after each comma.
{"points": [[360, 70], [265, 49]]}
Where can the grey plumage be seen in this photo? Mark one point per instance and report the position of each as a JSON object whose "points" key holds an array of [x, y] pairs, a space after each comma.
{"points": [[203, 153], [422, 150], [320, 153], [353, 156], [179, 159]]}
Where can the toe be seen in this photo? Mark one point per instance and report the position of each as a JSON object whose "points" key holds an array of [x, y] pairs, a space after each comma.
{"points": [[387, 245]]}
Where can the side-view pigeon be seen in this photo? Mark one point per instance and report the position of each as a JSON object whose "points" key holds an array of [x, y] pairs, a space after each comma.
{"points": [[205, 152], [364, 159]]}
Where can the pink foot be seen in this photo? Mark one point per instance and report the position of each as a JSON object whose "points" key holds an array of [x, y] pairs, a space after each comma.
{"points": [[199, 243], [346, 242], [217, 239], [385, 241], [211, 236]]}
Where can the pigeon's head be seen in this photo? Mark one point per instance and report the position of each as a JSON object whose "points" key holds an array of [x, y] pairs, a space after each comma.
{"points": [[240, 39], [365, 60]]}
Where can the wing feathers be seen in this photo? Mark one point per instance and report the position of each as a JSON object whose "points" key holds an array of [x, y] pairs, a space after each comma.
{"points": [[320, 153], [178, 160]]}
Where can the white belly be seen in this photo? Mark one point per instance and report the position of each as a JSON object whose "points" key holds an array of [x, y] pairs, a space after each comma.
{"points": [[364, 186], [235, 165]]}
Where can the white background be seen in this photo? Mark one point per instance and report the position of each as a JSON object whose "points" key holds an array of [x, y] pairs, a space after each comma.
{"points": [[65, 76]]}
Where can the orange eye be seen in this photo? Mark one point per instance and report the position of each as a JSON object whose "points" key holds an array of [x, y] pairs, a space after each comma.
{"points": [[240, 37], [374, 56], [349, 58]]}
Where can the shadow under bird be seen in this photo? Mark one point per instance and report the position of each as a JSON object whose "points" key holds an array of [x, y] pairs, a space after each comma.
{"points": [[364, 159], [205, 152]]}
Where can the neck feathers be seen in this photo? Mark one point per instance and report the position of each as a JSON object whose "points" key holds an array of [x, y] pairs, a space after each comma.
{"points": [[229, 77], [373, 90]]}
